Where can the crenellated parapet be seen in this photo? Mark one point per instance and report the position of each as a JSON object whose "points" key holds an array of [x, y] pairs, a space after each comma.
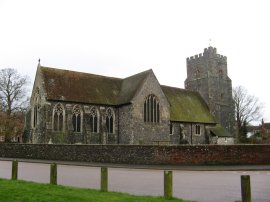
{"points": [[209, 52]]}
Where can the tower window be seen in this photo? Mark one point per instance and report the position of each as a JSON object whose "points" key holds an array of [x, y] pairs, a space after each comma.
{"points": [[151, 109]]}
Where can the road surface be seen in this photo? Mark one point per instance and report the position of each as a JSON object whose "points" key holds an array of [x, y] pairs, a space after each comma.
{"points": [[207, 186]]}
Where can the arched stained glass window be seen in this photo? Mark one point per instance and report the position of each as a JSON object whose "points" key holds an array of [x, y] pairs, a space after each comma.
{"points": [[110, 120], [151, 109], [93, 120], [76, 119], [58, 118]]}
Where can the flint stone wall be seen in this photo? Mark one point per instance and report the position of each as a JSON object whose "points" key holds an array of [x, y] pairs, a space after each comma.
{"points": [[142, 154]]}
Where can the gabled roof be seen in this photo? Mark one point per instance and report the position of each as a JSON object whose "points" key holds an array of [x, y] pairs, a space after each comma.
{"points": [[65, 85], [131, 85], [73, 86], [187, 106]]}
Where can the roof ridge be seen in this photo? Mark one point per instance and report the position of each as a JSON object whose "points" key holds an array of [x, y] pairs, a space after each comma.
{"points": [[146, 71], [84, 73], [182, 89]]}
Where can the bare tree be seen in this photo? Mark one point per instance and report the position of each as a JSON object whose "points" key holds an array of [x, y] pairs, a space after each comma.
{"points": [[13, 91], [247, 109], [14, 100]]}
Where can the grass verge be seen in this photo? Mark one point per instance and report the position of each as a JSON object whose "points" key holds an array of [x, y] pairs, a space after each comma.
{"points": [[18, 190]]}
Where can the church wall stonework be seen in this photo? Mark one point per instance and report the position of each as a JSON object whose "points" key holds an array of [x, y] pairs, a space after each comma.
{"points": [[149, 132], [125, 124]]}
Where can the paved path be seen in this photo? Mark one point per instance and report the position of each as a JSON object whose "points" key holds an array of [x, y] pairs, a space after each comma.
{"points": [[208, 186]]}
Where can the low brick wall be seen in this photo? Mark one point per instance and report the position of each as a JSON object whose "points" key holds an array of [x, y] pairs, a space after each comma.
{"points": [[142, 154]]}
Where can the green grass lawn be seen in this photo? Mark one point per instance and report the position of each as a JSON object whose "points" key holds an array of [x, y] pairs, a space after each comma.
{"points": [[18, 190]]}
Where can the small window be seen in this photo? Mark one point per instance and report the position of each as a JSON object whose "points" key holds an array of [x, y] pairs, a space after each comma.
{"points": [[171, 129], [198, 129], [221, 95], [35, 109], [35, 116]]}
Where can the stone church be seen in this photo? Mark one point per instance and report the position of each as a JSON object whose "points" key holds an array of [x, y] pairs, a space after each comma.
{"points": [[81, 108]]}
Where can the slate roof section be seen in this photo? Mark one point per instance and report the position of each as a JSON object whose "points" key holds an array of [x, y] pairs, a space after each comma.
{"points": [[71, 86], [187, 106]]}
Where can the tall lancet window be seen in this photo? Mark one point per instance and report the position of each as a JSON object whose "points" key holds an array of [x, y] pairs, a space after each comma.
{"points": [[76, 119], [110, 120], [151, 109], [58, 116], [35, 109], [94, 120]]}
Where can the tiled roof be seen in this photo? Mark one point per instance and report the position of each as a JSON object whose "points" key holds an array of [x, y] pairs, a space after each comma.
{"points": [[131, 85], [220, 131], [71, 86], [80, 87], [187, 106]]}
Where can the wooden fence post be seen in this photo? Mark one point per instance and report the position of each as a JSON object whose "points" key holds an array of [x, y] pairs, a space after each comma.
{"points": [[245, 188], [14, 172], [168, 184], [53, 174], [104, 179]]}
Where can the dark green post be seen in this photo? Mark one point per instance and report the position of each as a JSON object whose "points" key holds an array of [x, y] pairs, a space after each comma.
{"points": [[168, 184], [104, 179], [245, 188], [14, 174], [53, 174]]}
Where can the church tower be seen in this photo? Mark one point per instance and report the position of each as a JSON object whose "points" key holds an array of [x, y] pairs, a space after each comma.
{"points": [[207, 74]]}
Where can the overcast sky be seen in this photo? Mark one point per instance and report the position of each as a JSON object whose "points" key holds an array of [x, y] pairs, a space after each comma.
{"points": [[120, 38]]}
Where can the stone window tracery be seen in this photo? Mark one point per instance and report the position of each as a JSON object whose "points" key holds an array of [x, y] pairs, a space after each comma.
{"points": [[58, 123], [76, 119], [93, 120], [151, 109], [110, 120]]}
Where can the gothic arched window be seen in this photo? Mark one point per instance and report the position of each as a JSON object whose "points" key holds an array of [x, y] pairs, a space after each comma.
{"points": [[76, 119], [93, 121], [110, 120], [151, 109], [58, 118]]}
